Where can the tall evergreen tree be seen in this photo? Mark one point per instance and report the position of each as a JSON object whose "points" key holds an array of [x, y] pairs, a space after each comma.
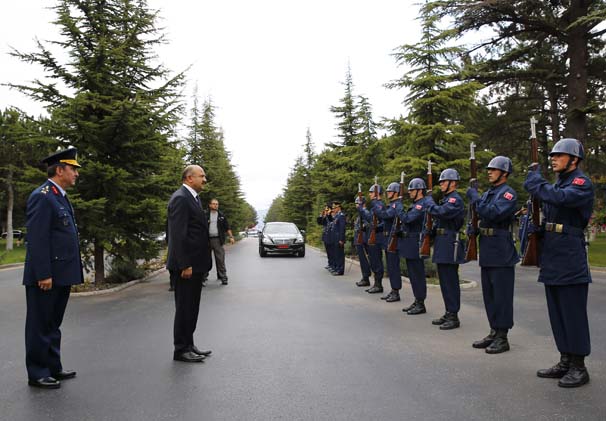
{"points": [[275, 211]]}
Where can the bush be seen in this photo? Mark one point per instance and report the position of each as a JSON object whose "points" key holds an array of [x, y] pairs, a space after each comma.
{"points": [[124, 271]]}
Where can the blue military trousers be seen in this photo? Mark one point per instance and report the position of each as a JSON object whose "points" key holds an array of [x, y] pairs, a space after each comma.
{"points": [[449, 285], [375, 256], [393, 269], [362, 251], [416, 274], [567, 306], [497, 290]]}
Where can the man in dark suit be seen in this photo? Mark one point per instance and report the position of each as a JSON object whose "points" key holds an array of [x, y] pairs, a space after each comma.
{"points": [[188, 260], [52, 266]]}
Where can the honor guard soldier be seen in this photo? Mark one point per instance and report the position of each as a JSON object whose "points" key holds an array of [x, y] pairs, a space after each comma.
{"points": [[409, 243], [361, 231], [388, 214], [567, 206], [376, 247], [448, 252], [496, 210], [324, 219], [52, 266], [339, 239]]}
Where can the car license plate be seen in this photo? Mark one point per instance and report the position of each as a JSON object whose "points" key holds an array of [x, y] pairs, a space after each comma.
{"points": [[283, 246]]}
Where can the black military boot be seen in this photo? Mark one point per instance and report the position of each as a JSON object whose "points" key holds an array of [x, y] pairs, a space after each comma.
{"points": [[418, 308], [395, 296], [557, 371], [377, 288], [483, 343], [439, 321], [405, 309], [500, 343], [386, 296], [364, 282], [577, 375], [452, 321]]}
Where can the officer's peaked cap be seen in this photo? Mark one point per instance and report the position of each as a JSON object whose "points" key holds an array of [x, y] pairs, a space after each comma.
{"points": [[66, 156]]}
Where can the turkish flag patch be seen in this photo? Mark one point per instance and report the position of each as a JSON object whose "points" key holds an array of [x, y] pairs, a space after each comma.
{"points": [[578, 181], [508, 196], [393, 206], [418, 207], [452, 200], [54, 189]]}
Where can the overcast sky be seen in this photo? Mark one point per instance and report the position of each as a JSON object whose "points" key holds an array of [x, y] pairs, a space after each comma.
{"points": [[272, 68]]}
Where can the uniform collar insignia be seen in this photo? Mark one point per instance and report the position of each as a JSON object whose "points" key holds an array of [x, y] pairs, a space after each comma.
{"points": [[44, 189]]}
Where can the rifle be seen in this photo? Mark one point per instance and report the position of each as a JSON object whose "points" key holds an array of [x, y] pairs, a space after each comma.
{"points": [[360, 239], [372, 239], [425, 249], [530, 256], [472, 242], [397, 226]]}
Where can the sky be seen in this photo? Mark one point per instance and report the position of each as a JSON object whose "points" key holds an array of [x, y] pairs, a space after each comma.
{"points": [[272, 68]]}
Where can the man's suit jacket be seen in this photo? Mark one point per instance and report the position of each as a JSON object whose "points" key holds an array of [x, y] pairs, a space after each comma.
{"points": [[53, 249], [187, 234]]}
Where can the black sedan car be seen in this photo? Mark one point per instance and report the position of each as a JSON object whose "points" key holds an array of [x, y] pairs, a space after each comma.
{"points": [[281, 238]]}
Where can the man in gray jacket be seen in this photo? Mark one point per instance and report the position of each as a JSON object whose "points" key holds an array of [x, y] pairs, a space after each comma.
{"points": [[218, 227]]}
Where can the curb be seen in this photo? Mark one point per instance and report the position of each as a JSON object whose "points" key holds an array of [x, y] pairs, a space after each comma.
{"points": [[465, 285], [11, 265], [119, 287]]}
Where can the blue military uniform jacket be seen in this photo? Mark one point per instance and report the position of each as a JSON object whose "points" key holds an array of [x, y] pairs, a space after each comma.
{"points": [[325, 222], [53, 249], [496, 209], [360, 224], [388, 214], [448, 220], [339, 227], [568, 202], [368, 216], [412, 227]]}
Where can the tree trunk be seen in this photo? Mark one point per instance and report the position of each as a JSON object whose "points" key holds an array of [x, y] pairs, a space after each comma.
{"points": [[577, 77], [99, 262], [9, 210], [554, 112]]}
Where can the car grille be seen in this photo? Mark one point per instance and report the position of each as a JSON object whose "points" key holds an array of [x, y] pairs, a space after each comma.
{"points": [[281, 242]]}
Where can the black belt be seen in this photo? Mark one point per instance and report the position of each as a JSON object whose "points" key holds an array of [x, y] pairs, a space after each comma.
{"points": [[408, 234], [444, 231], [563, 229], [495, 232]]}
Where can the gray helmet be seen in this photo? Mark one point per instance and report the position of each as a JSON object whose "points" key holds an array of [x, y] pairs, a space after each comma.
{"points": [[394, 187], [568, 146], [501, 163], [372, 188], [417, 184], [449, 174], [358, 200]]}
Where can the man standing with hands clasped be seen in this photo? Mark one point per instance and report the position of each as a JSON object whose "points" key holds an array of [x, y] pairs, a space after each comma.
{"points": [[188, 260], [52, 266], [217, 228]]}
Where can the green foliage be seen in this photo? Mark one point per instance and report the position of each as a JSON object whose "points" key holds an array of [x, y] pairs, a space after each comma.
{"points": [[124, 271], [275, 211]]}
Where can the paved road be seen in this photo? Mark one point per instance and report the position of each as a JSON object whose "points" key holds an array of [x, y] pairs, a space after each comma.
{"points": [[291, 342]]}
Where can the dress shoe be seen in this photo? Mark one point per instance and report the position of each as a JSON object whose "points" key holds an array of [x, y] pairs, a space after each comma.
{"points": [[439, 321], [419, 308], [223, 282], [451, 322], [484, 342], [375, 290], [337, 273], [386, 296], [45, 383], [364, 282], [189, 357], [499, 345], [394, 297], [64, 375], [577, 375], [196, 351], [405, 309], [557, 371]]}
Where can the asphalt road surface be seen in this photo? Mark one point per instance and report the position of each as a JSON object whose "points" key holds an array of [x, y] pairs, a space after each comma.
{"points": [[291, 342]]}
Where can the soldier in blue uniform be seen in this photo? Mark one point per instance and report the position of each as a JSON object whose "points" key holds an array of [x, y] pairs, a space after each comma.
{"points": [[448, 251], [496, 211], [324, 219], [339, 239], [52, 266], [388, 214], [375, 251], [408, 245], [362, 248], [567, 206]]}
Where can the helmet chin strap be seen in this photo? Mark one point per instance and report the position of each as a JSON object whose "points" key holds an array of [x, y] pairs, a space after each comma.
{"points": [[568, 164], [499, 177]]}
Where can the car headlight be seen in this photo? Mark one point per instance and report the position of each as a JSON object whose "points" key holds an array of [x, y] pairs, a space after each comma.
{"points": [[299, 239], [267, 240]]}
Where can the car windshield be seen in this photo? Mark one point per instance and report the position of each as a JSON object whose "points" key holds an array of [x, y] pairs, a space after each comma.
{"points": [[281, 229]]}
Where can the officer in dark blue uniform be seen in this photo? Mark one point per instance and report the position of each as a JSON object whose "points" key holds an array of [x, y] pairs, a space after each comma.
{"points": [[339, 239], [362, 248], [448, 251], [375, 251], [496, 211], [567, 206], [408, 244], [388, 214], [52, 266], [324, 219]]}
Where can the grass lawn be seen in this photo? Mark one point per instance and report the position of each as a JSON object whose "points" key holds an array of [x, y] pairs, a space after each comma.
{"points": [[16, 255], [597, 251]]}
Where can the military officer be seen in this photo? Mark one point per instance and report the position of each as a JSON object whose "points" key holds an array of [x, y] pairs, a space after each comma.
{"points": [[408, 245], [339, 239], [496, 211], [388, 214], [52, 266], [567, 206], [375, 249], [324, 219], [448, 252], [362, 248]]}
